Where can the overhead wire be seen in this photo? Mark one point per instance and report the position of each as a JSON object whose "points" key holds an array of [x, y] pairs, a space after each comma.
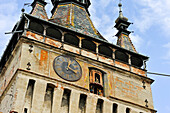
{"points": [[160, 74]]}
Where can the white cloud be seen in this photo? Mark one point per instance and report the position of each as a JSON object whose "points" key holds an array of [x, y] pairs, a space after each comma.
{"points": [[152, 12], [137, 41], [8, 19]]}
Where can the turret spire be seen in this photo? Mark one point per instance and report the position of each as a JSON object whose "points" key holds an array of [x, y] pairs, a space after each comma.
{"points": [[122, 25], [38, 9]]}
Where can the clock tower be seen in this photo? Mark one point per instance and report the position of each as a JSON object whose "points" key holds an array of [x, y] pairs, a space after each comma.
{"points": [[63, 64]]}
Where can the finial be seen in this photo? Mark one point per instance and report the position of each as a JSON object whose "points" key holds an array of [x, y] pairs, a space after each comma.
{"points": [[120, 5], [22, 10], [121, 13], [120, 9]]}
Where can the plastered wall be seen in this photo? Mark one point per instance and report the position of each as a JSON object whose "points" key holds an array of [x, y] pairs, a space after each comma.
{"points": [[121, 84]]}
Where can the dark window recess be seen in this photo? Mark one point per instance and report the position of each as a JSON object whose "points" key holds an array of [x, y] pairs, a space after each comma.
{"points": [[71, 39], [65, 101], [136, 61], [48, 99], [88, 45], [114, 108], [54, 33], [105, 50], [99, 107], [29, 96], [82, 103], [36, 27], [119, 55], [96, 82], [127, 110], [25, 110]]}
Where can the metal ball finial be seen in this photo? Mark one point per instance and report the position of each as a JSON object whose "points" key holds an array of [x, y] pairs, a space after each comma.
{"points": [[23, 10], [120, 5]]}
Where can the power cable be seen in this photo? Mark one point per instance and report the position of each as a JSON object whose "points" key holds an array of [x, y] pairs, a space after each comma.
{"points": [[152, 73]]}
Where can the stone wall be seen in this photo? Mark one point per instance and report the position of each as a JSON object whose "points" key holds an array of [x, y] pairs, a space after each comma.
{"points": [[49, 96]]}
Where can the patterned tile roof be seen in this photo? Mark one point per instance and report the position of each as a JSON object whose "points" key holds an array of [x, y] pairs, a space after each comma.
{"points": [[76, 18]]}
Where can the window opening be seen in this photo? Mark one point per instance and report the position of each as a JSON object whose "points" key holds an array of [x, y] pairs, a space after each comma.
{"points": [[36, 27], [105, 50], [82, 103], [87, 44], [48, 99], [65, 101], [54, 33], [136, 61], [114, 108], [71, 39], [119, 55], [99, 107], [29, 96], [25, 110], [127, 110]]}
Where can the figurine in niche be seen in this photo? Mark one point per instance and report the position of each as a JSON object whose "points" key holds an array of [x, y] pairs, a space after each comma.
{"points": [[100, 92], [97, 79], [91, 89]]}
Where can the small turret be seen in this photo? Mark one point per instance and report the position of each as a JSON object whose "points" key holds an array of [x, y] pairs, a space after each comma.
{"points": [[38, 9], [122, 25]]}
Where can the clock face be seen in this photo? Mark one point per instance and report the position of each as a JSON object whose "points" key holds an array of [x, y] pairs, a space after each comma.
{"points": [[67, 68]]}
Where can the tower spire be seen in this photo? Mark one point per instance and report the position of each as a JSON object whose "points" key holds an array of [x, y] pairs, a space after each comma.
{"points": [[122, 25]]}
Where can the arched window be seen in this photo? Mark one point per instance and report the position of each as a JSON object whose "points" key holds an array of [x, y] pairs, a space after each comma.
{"points": [[127, 110], [88, 45], [52, 32], [99, 106], [71, 39], [136, 61], [115, 106], [36, 27], [105, 50], [119, 55]]}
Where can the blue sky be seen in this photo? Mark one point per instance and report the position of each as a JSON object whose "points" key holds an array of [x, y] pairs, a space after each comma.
{"points": [[151, 35]]}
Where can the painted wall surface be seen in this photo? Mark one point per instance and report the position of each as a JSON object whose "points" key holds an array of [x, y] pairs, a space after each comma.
{"points": [[120, 85], [12, 66], [8, 99], [85, 53]]}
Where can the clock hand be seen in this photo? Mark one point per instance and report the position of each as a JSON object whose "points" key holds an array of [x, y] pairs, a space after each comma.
{"points": [[72, 70], [69, 62]]}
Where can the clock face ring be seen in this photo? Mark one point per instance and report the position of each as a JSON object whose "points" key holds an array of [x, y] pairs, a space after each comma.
{"points": [[67, 68]]}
